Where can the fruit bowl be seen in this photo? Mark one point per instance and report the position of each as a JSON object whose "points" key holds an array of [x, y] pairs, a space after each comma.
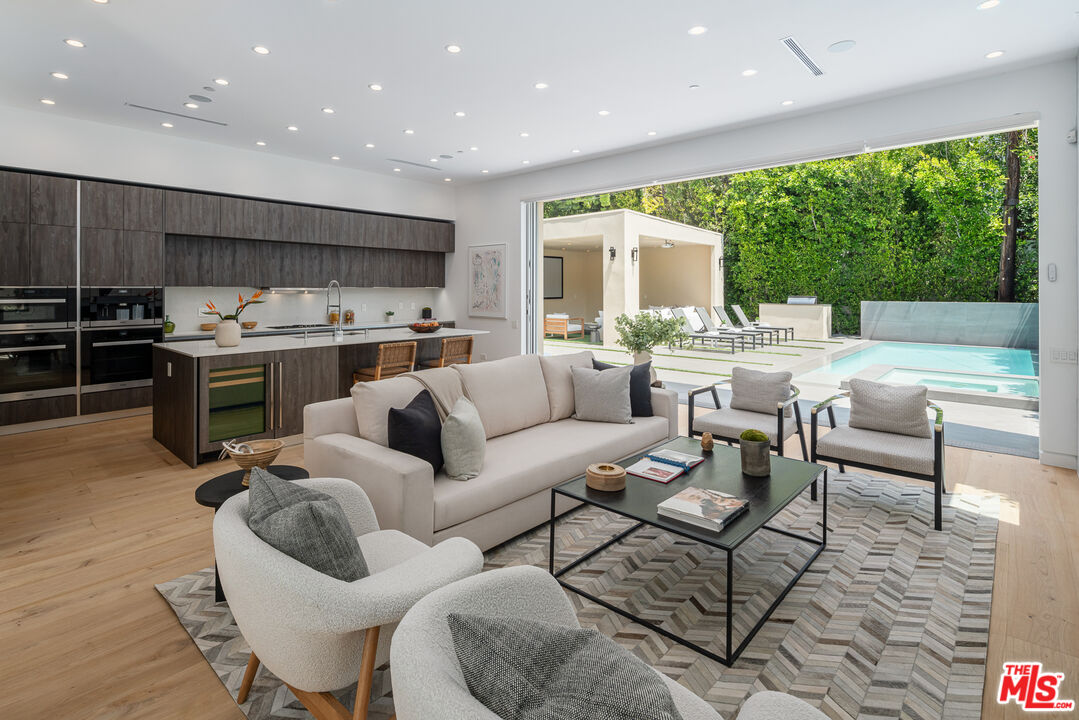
{"points": [[249, 324], [208, 327], [424, 327]]}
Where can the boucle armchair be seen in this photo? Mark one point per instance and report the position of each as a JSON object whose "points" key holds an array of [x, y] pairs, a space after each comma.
{"points": [[313, 631]]}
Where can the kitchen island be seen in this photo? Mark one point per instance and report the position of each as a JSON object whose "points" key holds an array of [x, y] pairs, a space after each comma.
{"points": [[205, 394]]}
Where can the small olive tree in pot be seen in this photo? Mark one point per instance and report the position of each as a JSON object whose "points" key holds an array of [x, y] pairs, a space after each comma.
{"points": [[645, 331]]}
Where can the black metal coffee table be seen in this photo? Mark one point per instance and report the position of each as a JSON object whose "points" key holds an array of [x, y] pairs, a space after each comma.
{"points": [[721, 471]]}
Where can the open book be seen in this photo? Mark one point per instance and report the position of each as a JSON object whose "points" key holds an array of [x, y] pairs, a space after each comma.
{"points": [[678, 459], [708, 509], [655, 470]]}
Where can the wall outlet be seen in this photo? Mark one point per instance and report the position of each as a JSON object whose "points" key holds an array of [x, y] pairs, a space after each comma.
{"points": [[514, 324], [202, 312], [400, 306], [1063, 355], [413, 306], [363, 307], [483, 356]]}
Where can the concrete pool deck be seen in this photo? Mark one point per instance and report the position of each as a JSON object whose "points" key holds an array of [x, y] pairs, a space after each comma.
{"points": [[698, 366]]}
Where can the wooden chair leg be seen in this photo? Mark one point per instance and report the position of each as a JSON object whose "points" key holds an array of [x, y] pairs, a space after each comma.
{"points": [[249, 677], [367, 669], [322, 705]]}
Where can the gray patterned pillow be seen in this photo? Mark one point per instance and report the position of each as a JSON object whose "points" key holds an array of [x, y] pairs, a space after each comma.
{"points": [[305, 524], [760, 391], [531, 670], [602, 396], [898, 409]]}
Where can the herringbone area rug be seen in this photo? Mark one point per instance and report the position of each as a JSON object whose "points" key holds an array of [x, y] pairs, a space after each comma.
{"points": [[892, 620]]}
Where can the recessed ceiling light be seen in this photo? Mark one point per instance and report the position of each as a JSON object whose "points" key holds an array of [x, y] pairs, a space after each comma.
{"points": [[48, 101], [604, 113], [698, 30], [485, 171], [749, 72], [541, 86], [651, 133], [434, 159], [59, 75], [575, 150], [369, 145], [166, 124], [694, 87], [221, 81], [988, 4], [524, 134], [328, 110], [375, 86], [334, 157], [410, 132], [260, 143], [102, 2], [261, 50], [191, 106], [994, 55], [841, 46], [459, 113], [447, 180], [525, 162], [453, 49], [397, 169], [75, 43], [473, 148], [292, 128]]}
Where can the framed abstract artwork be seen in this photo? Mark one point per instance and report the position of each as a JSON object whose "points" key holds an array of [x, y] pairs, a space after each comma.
{"points": [[487, 281]]}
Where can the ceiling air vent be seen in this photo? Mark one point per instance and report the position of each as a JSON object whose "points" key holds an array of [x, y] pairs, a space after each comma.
{"points": [[176, 114], [413, 164], [803, 57]]}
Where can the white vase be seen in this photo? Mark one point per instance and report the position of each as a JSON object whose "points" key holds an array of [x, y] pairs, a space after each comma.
{"points": [[643, 357], [227, 333]]}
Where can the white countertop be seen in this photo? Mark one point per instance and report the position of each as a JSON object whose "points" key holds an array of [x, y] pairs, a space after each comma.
{"points": [[208, 348]]}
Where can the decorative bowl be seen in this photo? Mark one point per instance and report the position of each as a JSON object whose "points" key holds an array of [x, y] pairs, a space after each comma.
{"points": [[263, 453], [249, 324], [424, 327], [208, 327]]}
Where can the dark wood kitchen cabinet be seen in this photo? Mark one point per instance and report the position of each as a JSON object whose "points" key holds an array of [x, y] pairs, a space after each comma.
{"points": [[101, 205], [250, 219], [235, 263], [101, 257], [434, 270], [142, 258], [301, 224], [335, 227], [14, 197], [52, 255], [53, 201], [144, 208], [304, 377], [351, 267], [189, 213], [188, 261], [14, 253]]}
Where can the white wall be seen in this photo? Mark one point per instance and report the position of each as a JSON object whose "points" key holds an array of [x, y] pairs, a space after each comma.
{"points": [[490, 212], [51, 142]]}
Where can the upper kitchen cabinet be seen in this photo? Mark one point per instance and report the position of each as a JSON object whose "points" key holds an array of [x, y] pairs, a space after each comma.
{"points": [[301, 224], [53, 200], [236, 262], [444, 236], [250, 219], [192, 213], [15, 251], [144, 208], [14, 197], [52, 255], [142, 258], [335, 227], [375, 231], [101, 205], [188, 261], [102, 256]]}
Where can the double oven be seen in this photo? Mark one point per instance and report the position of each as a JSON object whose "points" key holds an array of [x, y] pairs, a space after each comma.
{"points": [[63, 350]]}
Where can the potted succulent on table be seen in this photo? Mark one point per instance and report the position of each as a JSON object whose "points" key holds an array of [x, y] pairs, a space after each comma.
{"points": [[227, 332], [756, 453], [389, 316], [645, 331]]}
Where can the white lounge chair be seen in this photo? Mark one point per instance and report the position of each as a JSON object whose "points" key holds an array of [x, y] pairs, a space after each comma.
{"points": [[712, 337], [788, 332], [730, 326], [709, 326]]}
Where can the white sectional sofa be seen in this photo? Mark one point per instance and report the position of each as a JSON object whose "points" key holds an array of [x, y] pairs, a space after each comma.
{"points": [[525, 403]]}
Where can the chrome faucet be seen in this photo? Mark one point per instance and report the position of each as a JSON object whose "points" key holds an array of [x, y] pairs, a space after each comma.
{"points": [[338, 334]]}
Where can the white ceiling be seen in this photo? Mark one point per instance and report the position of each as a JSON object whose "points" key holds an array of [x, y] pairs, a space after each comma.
{"points": [[633, 58]]}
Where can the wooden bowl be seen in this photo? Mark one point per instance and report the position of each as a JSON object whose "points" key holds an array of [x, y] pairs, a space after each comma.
{"points": [[208, 327], [607, 477], [428, 327], [249, 324], [265, 452]]}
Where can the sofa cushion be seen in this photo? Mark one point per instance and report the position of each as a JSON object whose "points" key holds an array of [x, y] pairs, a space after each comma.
{"points": [[373, 401], [730, 423], [898, 409], [509, 394], [463, 441], [556, 374], [528, 461], [305, 524], [415, 429], [758, 391], [602, 396], [528, 669], [640, 386], [444, 384]]}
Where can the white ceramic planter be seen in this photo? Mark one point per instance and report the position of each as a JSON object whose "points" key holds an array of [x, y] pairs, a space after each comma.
{"points": [[227, 333]]}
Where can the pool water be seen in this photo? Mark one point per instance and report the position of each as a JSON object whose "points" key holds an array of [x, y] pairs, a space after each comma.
{"points": [[985, 362]]}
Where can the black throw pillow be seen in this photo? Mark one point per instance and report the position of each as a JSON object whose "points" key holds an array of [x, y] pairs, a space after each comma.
{"points": [[640, 386], [415, 429]]}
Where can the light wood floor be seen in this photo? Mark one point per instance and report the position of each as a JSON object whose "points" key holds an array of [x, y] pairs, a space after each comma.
{"points": [[92, 516]]}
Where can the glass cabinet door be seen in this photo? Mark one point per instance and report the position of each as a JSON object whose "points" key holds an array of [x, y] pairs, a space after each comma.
{"points": [[236, 399]]}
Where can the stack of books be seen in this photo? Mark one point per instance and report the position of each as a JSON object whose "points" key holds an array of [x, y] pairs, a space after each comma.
{"points": [[704, 508]]}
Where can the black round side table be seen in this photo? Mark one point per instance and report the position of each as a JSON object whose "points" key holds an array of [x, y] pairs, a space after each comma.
{"points": [[214, 492]]}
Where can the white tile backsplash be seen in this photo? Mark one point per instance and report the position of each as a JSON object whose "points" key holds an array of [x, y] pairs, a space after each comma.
{"points": [[182, 305]]}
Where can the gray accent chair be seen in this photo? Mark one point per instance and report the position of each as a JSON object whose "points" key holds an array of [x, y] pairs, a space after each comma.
{"points": [[313, 631], [727, 424], [427, 680], [913, 457]]}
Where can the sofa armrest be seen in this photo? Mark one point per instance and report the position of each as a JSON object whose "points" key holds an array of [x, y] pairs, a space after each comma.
{"points": [[665, 404], [400, 486], [328, 417]]}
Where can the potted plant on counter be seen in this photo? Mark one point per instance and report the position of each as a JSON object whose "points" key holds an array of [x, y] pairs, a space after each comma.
{"points": [[756, 453], [643, 332], [227, 333], [389, 316]]}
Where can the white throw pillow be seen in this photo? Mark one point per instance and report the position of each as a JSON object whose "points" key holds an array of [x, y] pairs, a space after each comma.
{"points": [[464, 441], [559, 381], [898, 409], [602, 396]]}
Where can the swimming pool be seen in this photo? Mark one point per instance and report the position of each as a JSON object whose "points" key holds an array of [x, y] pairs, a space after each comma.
{"points": [[971, 367]]}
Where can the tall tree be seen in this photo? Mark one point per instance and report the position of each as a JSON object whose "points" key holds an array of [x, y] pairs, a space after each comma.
{"points": [[1006, 273]]}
